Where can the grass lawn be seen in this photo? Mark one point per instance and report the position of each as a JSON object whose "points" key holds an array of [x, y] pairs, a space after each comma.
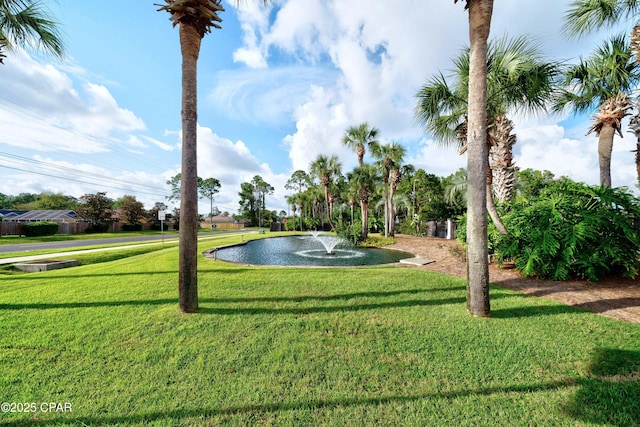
{"points": [[303, 346]]}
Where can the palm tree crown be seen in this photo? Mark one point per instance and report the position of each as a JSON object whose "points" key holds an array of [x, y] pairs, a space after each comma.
{"points": [[585, 16], [25, 23], [359, 138], [605, 81], [518, 78]]}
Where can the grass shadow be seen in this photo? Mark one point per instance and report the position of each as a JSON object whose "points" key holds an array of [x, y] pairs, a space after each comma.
{"points": [[182, 416], [535, 311], [610, 394]]}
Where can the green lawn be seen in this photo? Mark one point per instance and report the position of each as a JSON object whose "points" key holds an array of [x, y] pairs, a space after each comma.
{"points": [[302, 346]]}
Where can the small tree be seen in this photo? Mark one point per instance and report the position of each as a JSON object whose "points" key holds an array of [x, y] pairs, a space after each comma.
{"points": [[131, 210], [209, 188], [95, 208]]}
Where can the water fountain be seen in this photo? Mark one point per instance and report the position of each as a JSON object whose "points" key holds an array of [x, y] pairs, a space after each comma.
{"points": [[329, 242], [313, 249]]}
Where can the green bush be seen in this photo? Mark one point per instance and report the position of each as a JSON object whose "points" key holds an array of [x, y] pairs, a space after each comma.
{"points": [[40, 228], [492, 232], [573, 230], [101, 227], [131, 227], [352, 233]]}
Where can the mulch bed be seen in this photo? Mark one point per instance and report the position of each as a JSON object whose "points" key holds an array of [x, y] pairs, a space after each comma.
{"points": [[616, 297]]}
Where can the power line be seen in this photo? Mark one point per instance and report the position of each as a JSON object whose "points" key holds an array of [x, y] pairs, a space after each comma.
{"points": [[80, 181], [61, 168]]}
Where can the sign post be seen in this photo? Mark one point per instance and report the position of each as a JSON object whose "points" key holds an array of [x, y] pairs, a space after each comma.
{"points": [[162, 215]]}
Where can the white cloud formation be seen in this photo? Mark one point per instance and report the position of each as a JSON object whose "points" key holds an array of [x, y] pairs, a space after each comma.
{"points": [[40, 109]]}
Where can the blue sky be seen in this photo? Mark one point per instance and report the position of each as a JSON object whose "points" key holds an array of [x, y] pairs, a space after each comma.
{"points": [[277, 87]]}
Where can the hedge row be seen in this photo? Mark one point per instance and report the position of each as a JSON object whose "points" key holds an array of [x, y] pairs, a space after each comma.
{"points": [[40, 228]]}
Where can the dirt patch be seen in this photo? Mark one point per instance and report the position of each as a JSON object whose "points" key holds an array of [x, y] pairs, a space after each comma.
{"points": [[616, 297]]}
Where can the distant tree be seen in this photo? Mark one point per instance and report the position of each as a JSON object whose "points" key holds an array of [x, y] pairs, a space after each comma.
{"points": [[95, 208], [131, 210], [390, 157], [359, 138], [174, 183], [364, 178], [325, 169], [248, 202], [298, 181], [208, 188], [25, 23], [21, 201], [56, 201], [530, 183], [261, 189]]}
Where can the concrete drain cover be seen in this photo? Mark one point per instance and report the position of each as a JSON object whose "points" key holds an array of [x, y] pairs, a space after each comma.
{"points": [[417, 261], [45, 265]]}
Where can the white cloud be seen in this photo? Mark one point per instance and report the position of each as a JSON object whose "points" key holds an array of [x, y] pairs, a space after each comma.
{"points": [[320, 125], [266, 96], [437, 159], [41, 110]]}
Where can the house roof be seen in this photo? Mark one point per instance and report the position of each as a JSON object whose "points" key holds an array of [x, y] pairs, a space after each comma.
{"points": [[45, 215], [220, 219], [8, 213]]}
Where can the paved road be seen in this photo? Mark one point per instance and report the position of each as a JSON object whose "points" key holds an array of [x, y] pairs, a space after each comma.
{"points": [[125, 242], [27, 247]]}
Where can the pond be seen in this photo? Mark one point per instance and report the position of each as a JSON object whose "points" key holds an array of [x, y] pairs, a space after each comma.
{"points": [[307, 250]]}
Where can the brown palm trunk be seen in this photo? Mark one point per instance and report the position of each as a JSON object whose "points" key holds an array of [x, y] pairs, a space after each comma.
{"points": [[634, 127], [188, 259], [501, 153], [364, 207], [480, 12], [605, 147], [491, 206], [638, 161], [386, 205]]}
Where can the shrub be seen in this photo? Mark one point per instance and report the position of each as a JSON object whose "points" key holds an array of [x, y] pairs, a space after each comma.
{"points": [[352, 233], [101, 227], [132, 227], [40, 228], [377, 241], [573, 230], [157, 227], [492, 233]]}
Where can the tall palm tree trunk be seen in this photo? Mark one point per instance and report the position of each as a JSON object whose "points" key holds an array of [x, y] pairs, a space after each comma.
{"points": [[605, 147], [501, 153], [386, 206], [364, 216], [480, 12], [188, 272], [491, 206]]}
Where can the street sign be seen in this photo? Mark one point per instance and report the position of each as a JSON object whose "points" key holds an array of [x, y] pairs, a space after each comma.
{"points": [[162, 215]]}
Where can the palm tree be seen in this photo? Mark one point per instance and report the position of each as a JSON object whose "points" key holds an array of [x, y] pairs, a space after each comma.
{"points": [[298, 181], [195, 19], [585, 16], [605, 81], [359, 138], [390, 159], [480, 12], [588, 15], [517, 79], [364, 178], [634, 127], [325, 169], [25, 23], [395, 178]]}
